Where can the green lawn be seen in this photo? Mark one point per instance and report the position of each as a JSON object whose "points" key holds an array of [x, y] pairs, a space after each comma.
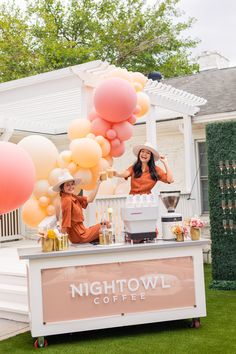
{"points": [[216, 335]]}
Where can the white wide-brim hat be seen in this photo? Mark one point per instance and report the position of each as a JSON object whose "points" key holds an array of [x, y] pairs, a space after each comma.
{"points": [[65, 177], [146, 146]]}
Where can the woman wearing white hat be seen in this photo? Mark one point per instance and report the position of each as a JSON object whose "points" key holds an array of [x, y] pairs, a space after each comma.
{"points": [[144, 173], [71, 207]]}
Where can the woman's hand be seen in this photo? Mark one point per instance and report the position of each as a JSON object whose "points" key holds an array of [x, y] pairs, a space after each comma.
{"points": [[163, 159]]}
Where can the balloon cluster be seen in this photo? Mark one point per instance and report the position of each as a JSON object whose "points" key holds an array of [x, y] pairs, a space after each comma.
{"points": [[118, 101]]}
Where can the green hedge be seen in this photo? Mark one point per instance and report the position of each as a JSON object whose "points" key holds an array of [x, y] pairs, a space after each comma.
{"points": [[221, 146]]}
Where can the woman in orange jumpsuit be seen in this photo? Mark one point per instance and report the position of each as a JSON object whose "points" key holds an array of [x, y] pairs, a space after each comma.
{"points": [[72, 210], [144, 173]]}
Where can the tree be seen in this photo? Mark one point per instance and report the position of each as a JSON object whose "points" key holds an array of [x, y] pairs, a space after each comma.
{"points": [[52, 34]]}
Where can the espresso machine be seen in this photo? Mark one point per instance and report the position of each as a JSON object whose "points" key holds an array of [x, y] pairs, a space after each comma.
{"points": [[140, 216], [171, 218]]}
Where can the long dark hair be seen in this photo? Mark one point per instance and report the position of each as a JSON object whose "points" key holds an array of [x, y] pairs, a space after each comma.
{"points": [[137, 167]]}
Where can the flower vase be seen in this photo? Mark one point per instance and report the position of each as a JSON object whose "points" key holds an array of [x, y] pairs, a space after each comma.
{"points": [[195, 233], [180, 237]]}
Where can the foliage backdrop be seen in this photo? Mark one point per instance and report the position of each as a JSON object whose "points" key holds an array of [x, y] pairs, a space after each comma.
{"points": [[221, 143], [52, 34]]}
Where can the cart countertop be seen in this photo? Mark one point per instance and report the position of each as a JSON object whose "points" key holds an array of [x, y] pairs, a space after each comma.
{"points": [[83, 249]]}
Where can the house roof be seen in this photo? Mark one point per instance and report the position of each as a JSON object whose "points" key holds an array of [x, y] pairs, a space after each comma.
{"points": [[217, 86], [46, 103]]}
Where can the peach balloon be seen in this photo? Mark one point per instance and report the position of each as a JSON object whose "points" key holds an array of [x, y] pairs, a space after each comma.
{"points": [[85, 174], [115, 99], [124, 130], [85, 152], [41, 188], [51, 210], [44, 201], [91, 136], [65, 155], [61, 163], [118, 151], [43, 153], [51, 193], [100, 126], [72, 167], [144, 103], [103, 165], [106, 147], [53, 175], [111, 134], [139, 78], [78, 128], [32, 213], [137, 86], [17, 176], [100, 140], [106, 188], [121, 73], [109, 159]]}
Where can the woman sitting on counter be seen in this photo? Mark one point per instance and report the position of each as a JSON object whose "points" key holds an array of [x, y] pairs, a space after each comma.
{"points": [[72, 213], [144, 173]]}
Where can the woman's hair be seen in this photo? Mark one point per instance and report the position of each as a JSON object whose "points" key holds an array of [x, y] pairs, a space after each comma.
{"points": [[61, 188], [137, 167]]}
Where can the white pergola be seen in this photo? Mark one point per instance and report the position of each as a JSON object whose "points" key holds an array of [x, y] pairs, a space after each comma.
{"points": [[45, 103]]}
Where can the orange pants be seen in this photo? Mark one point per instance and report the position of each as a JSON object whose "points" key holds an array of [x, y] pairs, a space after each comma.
{"points": [[78, 233]]}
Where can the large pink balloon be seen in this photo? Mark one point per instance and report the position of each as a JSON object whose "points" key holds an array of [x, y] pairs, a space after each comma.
{"points": [[115, 99], [118, 151], [100, 126], [124, 130], [17, 176]]}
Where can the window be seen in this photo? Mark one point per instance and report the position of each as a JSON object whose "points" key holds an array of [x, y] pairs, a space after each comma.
{"points": [[203, 175]]}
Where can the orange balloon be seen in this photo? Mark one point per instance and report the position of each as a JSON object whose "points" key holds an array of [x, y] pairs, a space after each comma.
{"points": [[41, 188], [32, 213], [143, 102], [51, 210], [66, 155], [44, 201], [139, 78], [106, 147], [85, 174], [72, 167], [85, 152], [78, 128]]}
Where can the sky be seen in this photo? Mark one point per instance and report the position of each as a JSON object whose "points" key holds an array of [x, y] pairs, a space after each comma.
{"points": [[215, 25]]}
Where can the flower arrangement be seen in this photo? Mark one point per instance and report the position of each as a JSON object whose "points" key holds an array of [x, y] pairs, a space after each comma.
{"points": [[179, 230], [196, 222]]}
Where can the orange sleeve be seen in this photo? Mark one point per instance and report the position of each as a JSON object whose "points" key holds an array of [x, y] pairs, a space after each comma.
{"points": [[161, 174], [83, 201], [66, 212], [130, 170]]}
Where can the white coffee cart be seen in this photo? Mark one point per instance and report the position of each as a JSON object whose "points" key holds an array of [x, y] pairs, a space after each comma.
{"points": [[90, 287]]}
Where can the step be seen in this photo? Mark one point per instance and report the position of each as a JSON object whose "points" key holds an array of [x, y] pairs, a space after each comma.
{"points": [[10, 278], [14, 311], [13, 293]]}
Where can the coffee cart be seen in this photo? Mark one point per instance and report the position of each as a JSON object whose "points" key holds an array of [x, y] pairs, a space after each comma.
{"points": [[89, 287]]}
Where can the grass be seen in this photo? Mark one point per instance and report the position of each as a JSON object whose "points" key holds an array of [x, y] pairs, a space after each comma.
{"points": [[216, 335]]}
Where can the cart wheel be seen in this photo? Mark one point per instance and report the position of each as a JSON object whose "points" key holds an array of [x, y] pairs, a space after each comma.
{"points": [[195, 323], [41, 342]]}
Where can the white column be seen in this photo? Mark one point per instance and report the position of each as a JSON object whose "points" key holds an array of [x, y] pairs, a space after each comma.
{"points": [[151, 133], [190, 162]]}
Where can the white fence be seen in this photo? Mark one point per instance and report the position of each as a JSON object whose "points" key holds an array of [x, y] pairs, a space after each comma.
{"points": [[10, 226]]}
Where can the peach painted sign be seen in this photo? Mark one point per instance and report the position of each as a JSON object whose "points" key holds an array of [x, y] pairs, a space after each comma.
{"points": [[100, 290]]}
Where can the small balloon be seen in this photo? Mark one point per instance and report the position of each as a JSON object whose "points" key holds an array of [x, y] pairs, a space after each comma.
{"points": [[78, 128]]}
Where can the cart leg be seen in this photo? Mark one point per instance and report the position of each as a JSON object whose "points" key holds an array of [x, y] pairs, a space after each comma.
{"points": [[195, 323], [40, 342]]}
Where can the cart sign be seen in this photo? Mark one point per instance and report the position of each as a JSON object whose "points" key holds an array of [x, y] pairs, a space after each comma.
{"points": [[72, 293]]}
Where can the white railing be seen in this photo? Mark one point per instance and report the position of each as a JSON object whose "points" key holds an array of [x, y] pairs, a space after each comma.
{"points": [[99, 210], [10, 226]]}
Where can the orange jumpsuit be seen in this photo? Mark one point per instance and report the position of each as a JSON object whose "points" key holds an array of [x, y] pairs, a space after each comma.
{"points": [[72, 219], [145, 183]]}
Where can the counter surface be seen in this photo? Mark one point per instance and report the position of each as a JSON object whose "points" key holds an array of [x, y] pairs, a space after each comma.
{"points": [[74, 249]]}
